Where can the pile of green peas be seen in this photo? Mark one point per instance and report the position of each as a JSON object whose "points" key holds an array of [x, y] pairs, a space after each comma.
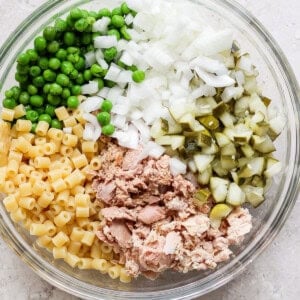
{"points": [[52, 73]]}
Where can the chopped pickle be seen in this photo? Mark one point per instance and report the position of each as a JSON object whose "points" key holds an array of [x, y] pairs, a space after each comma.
{"points": [[204, 139], [220, 109], [267, 101], [209, 122], [201, 196], [219, 212], [228, 162]]}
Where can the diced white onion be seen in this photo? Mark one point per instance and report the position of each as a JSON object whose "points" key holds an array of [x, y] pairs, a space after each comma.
{"points": [[177, 166], [101, 25], [91, 104], [90, 59], [104, 42], [90, 88]]}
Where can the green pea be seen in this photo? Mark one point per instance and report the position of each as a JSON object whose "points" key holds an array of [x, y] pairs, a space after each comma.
{"points": [[55, 89], [56, 124], [43, 63], [32, 90], [53, 47], [108, 129], [65, 93], [54, 63], [49, 33], [23, 70], [36, 101], [106, 105], [23, 59], [40, 110], [46, 88], [117, 12], [24, 98], [45, 118], [40, 44], [90, 48], [21, 78], [49, 75], [35, 71], [104, 12], [70, 22], [80, 64], [117, 21], [60, 25], [74, 74], [90, 20], [73, 50], [81, 25], [96, 70], [100, 83], [87, 75], [50, 110], [76, 90], [53, 99], [125, 9], [73, 58], [80, 79], [93, 14], [69, 38], [33, 127], [9, 103], [16, 92], [132, 68], [9, 93], [38, 81], [73, 102], [62, 80], [66, 67], [103, 118], [138, 76], [33, 56], [110, 54], [32, 115], [125, 34], [114, 32], [86, 38], [61, 54], [76, 13]]}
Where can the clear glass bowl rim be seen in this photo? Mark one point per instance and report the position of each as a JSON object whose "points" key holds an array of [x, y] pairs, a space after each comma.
{"points": [[86, 291]]}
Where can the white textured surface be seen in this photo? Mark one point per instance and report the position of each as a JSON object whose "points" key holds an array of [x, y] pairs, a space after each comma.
{"points": [[276, 273]]}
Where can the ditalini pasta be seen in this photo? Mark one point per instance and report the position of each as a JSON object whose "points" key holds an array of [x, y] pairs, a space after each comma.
{"points": [[47, 180]]}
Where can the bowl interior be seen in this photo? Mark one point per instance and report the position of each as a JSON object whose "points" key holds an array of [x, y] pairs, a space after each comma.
{"points": [[275, 85]]}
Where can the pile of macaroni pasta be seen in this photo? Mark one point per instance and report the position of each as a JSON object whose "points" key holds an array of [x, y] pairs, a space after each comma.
{"points": [[46, 178]]}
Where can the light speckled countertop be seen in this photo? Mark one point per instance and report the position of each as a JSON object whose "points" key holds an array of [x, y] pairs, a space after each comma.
{"points": [[276, 273]]}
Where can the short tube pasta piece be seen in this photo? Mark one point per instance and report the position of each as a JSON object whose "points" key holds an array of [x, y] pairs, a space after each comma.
{"points": [[59, 252], [9, 187], [42, 162], [62, 218], [20, 111], [38, 229], [23, 125], [75, 178], [88, 238], [19, 179], [10, 203], [70, 140], [45, 199], [95, 163], [27, 202], [79, 161], [44, 241], [82, 212], [85, 263], [70, 122], [17, 156], [40, 141], [35, 151], [124, 277], [49, 148], [59, 185], [42, 128], [82, 200], [26, 169], [60, 239], [78, 130], [55, 134], [74, 247], [7, 114], [114, 271], [77, 234], [101, 265], [12, 168], [66, 150], [23, 145], [62, 113], [18, 215], [89, 147], [25, 189], [72, 259]]}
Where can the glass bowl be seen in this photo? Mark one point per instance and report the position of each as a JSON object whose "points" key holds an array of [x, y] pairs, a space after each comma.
{"points": [[277, 81]]}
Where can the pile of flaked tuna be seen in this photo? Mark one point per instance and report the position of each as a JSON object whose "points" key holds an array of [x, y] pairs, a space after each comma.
{"points": [[150, 218]]}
